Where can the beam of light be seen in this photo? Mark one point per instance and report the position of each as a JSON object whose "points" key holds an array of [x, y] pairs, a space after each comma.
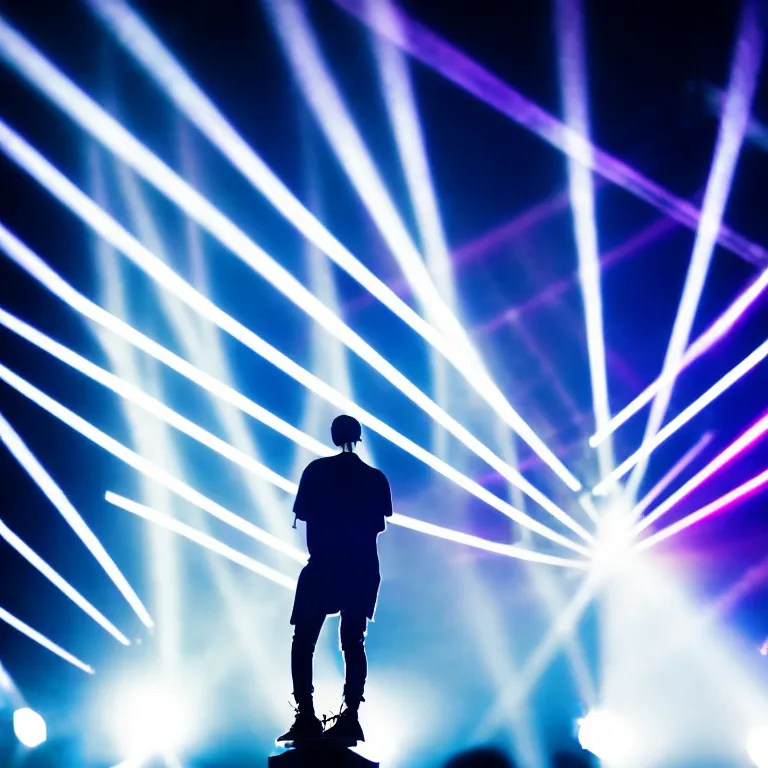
{"points": [[541, 657], [135, 395], [400, 101], [21, 152], [79, 203], [59, 581], [428, 48], [203, 539], [31, 263], [34, 265], [546, 585], [750, 486], [696, 407], [172, 418], [329, 358], [704, 343], [197, 499], [55, 495], [757, 746], [93, 119], [670, 476], [148, 436], [549, 295], [152, 717], [757, 132], [162, 66], [489, 546], [744, 441], [146, 467], [745, 71], [573, 85], [586, 503], [49, 645], [319, 89], [201, 343], [483, 245], [132, 762]]}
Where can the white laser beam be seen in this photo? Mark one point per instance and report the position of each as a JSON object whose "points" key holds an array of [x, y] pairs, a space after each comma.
{"points": [[56, 496], [696, 407], [201, 538], [60, 582], [41, 639], [79, 203], [160, 64]]}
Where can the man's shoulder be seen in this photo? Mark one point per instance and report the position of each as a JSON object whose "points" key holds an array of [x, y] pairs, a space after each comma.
{"points": [[375, 472]]}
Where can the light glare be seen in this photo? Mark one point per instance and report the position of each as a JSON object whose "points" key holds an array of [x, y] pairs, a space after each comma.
{"points": [[29, 727], [607, 736], [757, 746], [150, 719]]}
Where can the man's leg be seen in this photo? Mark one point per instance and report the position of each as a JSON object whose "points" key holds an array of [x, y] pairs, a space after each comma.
{"points": [[352, 635], [305, 635]]}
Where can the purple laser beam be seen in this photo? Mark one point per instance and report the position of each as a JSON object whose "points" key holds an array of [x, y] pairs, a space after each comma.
{"points": [[431, 50]]}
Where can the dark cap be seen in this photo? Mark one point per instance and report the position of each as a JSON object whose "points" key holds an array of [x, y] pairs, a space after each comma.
{"points": [[345, 429]]}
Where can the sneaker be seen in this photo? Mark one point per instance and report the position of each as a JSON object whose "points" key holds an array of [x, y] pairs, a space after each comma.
{"points": [[305, 727], [346, 728]]}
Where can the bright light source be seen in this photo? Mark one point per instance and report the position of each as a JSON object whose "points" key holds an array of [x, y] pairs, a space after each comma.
{"points": [[614, 538], [606, 735], [29, 727], [151, 719], [757, 746]]}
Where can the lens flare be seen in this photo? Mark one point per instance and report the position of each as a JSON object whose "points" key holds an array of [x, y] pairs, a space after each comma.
{"points": [[29, 727], [607, 736]]}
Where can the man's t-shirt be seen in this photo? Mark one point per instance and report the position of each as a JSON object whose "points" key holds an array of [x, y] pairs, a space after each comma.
{"points": [[345, 503]]}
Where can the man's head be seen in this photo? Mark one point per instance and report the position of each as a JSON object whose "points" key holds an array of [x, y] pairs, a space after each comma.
{"points": [[346, 431]]}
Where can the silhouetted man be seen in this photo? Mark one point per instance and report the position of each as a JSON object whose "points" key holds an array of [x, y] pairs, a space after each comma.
{"points": [[344, 503]]}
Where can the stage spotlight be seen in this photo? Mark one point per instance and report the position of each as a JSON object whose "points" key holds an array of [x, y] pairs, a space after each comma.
{"points": [[606, 735], [757, 746], [29, 727], [151, 719]]}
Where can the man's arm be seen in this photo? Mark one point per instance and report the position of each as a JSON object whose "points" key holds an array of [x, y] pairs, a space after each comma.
{"points": [[384, 502], [386, 496], [302, 506]]}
